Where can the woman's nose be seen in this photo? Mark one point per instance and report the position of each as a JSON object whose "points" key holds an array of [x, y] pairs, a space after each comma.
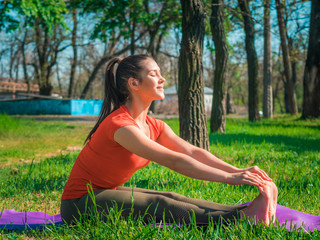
{"points": [[162, 79]]}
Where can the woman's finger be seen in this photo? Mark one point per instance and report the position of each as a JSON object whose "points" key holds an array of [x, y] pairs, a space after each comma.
{"points": [[265, 175], [261, 173], [260, 189], [253, 179]]}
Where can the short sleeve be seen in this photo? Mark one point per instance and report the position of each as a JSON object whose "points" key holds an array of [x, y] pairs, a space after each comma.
{"points": [[117, 122], [157, 127]]}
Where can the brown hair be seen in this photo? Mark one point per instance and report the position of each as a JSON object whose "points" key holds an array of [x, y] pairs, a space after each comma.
{"points": [[116, 90]]}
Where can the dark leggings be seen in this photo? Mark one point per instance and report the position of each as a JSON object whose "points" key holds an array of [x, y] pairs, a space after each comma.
{"points": [[151, 205]]}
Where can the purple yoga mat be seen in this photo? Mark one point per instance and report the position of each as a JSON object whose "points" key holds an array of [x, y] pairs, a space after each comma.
{"points": [[11, 219], [293, 219]]}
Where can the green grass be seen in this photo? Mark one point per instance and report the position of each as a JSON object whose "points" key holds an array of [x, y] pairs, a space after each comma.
{"points": [[27, 140], [288, 149]]}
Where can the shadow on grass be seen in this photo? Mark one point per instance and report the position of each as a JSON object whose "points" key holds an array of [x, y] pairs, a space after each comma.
{"points": [[292, 124], [281, 142], [285, 123]]}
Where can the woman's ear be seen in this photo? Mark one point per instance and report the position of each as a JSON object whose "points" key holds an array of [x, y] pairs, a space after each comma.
{"points": [[133, 83]]}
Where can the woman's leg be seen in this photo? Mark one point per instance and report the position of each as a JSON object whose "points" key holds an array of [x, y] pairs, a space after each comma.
{"points": [[70, 211], [198, 202], [262, 208], [150, 206], [170, 206]]}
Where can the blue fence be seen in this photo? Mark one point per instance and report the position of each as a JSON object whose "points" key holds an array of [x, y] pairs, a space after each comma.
{"points": [[51, 107]]}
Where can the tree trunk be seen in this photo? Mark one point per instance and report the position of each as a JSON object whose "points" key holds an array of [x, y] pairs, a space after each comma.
{"points": [[24, 61], [97, 67], [286, 60], [276, 93], [133, 30], [311, 79], [92, 76], [105, 59], [229, 103], [75, 52], [47, 49], [285, 96], [192, 115], [59, 79], [267, 64], [12, 58], [252, 61], [218, 113]]}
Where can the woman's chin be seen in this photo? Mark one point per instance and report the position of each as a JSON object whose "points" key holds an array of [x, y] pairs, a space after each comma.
{"points": [[160, 97]]}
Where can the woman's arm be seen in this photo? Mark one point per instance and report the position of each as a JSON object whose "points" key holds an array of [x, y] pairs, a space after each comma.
{"points": [[170, 140], [135, 141]]}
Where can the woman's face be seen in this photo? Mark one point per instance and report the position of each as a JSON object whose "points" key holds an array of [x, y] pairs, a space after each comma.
{"points": [[151, 82]]}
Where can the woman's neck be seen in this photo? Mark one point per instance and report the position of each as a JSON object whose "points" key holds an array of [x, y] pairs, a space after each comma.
{"points": [[138, 110]]}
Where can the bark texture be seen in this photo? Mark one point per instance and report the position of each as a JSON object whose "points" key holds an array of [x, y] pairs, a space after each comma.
{"points": [[311, 80], [267, 64], [218, 112], [192, 116], [252, 61], [286, 60], [75, 53]]}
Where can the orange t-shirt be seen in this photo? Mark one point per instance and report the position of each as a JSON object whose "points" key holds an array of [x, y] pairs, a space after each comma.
{"points": [[103, 162]]}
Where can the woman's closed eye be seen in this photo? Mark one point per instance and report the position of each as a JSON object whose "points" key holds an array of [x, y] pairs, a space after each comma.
{"points": [[153, 74]]}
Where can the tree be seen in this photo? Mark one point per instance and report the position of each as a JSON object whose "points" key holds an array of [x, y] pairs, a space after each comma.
{"points": [[47, 48], [267, 64], [23, 43], [116, 24], [252, 60], [311, 79], [286, 59], [49, 11], [74, 60], [45, 18], [131, 21], [158, 22], [218, 113], [192, 116]]}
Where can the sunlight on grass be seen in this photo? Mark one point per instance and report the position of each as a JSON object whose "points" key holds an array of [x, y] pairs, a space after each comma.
{"points": [[288, 149], [31, 140]]}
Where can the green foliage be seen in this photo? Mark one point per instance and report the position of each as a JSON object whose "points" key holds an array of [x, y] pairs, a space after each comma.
{"points": [[120, 16], [48, 12], [287, 148], [7, 21]]}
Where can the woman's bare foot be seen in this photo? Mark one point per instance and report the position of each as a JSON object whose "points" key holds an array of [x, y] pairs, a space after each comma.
{"points": [[258, 210], [263, 207], [273, 205]]}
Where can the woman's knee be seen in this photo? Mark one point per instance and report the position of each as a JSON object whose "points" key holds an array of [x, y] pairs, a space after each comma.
{"points": [[69, 211]]}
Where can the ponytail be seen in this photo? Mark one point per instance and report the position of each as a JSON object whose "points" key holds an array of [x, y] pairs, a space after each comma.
{"points": [[116, 91], [113, 98]]}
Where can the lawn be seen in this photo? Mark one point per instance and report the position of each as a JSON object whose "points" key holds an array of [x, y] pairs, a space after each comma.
{"points": [[36, 158]]}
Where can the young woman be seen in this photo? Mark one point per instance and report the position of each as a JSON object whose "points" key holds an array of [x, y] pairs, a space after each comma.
{"points": [[125, 139]]}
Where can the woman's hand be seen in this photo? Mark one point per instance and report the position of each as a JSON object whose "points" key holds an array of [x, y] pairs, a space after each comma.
{"points": [[252, 176], [245, 178], [260, 172]]}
